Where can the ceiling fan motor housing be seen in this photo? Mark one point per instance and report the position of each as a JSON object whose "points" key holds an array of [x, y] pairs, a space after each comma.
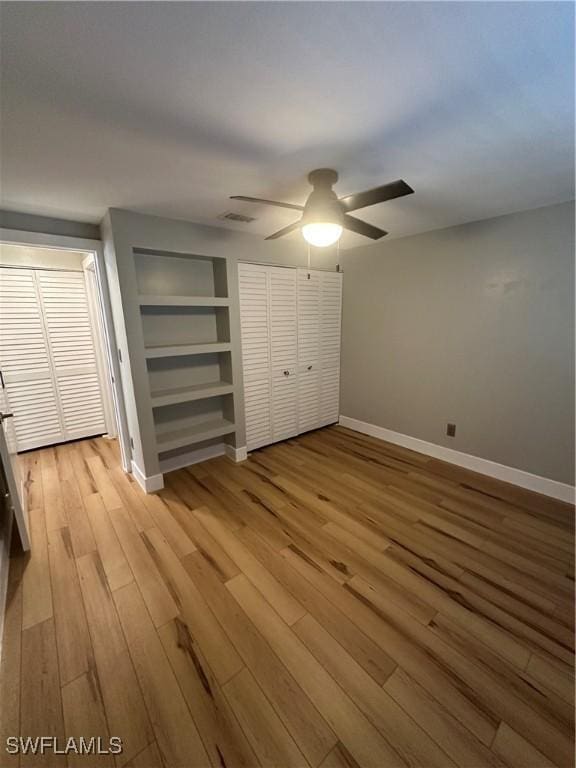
{"points": [[323, 177], [322, 204]]}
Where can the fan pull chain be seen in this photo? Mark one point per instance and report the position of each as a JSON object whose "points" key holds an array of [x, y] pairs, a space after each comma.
{"points": [[308, 261]]}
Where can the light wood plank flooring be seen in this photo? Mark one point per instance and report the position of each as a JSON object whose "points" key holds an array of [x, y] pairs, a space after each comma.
{"points": [[334, 601]]}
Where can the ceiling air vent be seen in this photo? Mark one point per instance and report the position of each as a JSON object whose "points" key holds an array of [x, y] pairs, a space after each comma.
{"points": [[231, 216]]}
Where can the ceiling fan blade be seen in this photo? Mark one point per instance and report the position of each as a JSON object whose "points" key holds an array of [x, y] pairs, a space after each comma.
{"points": [[285, 231], [362, 227], [377, 195], [259, 200]]}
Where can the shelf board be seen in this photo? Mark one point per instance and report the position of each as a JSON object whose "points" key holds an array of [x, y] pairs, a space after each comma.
{"points": [[187, 394], [197, 433], [193, 456], [177, 350], [149, 300], [177, 254]]}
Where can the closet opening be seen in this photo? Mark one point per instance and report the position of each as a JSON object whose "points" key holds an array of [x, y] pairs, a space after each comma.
{"points": [[59, 379], [290, 339]]}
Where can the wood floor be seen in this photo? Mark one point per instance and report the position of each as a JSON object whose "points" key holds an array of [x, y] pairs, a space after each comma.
{"points": [[334, 601]]}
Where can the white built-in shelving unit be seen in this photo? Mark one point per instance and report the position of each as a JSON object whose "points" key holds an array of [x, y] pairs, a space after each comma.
{"points": [[187, 348]]}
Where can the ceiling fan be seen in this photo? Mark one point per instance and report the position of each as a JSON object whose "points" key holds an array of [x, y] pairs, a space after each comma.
{"points": [[324, 215]]}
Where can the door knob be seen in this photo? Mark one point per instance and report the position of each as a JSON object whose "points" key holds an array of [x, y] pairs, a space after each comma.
{"points": [[5, 416], [309, 368]]}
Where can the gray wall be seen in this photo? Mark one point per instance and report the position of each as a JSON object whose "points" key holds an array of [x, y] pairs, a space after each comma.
{"points": [[473, 325], [26, 222]]}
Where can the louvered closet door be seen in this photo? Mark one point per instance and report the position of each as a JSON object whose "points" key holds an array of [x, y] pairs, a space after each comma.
{"points": [[283, 351], [330, 321], [25, 361], [255, 334], [319, 312], [71, 342], [309, 292], [290, 324]]}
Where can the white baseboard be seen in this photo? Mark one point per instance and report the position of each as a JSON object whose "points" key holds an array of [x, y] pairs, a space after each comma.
{"points": [[148, 484], [156, 482], [544, 485], [237, 454]]}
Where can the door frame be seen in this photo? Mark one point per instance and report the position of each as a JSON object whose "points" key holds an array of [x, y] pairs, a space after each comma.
{"points": [[94, 248], [100, 346]]}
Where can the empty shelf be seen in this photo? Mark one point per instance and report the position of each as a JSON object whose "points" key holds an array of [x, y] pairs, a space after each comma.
{"points": [[197, 433], [175, 350], [177, 255], [192, 392], [182, 301]]}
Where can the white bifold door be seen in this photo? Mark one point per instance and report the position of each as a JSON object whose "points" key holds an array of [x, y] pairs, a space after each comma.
{"points": [[47, 357], [290, 328]]}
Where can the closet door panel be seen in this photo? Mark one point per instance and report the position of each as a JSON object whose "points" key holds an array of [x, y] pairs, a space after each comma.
{"points": [[36, 417], [255, 335], [25, 362], [283, 351], [309, 287], [291, 348], [81, 404], [309, 292], [308, 398], [284, 395], [71, 341]]}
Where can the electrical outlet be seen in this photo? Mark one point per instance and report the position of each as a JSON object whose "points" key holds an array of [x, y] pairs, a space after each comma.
{"points": [[451, 430]]}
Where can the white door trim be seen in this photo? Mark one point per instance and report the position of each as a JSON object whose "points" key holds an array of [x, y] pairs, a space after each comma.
{"points": [[98, 335], [5, 540]]}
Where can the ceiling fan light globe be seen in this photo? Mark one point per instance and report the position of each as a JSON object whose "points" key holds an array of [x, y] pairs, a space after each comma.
{"points": [[321, 234]]}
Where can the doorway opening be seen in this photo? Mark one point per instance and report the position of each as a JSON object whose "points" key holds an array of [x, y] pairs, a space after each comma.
{"points": [[59, 377], [53, 365]]}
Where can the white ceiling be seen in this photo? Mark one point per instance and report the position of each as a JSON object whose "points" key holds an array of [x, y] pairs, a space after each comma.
{"points": [[169, 108]]}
